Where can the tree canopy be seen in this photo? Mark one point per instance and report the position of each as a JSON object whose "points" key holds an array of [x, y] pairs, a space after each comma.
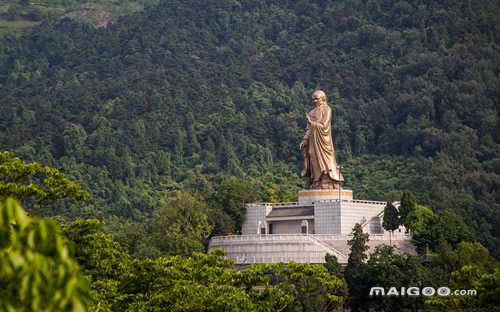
{"points": [[22, 180], [37, 272]]}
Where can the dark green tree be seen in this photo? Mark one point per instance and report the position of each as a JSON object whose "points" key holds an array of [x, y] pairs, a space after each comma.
{"points": [[391, 220], [356, 269], [408, 204]]}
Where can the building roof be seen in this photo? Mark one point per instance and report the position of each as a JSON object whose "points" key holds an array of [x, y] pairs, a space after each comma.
{"points": [[295, 211]]}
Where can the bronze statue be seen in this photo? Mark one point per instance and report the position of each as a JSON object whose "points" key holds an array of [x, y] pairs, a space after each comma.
{"points": [[320, 167]]}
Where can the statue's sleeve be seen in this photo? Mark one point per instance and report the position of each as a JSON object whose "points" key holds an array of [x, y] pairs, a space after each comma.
{"points": [[306, 135], [325, 121]]}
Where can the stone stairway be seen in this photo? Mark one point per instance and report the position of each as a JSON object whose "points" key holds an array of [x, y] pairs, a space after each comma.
{"points": [[341, 257]]}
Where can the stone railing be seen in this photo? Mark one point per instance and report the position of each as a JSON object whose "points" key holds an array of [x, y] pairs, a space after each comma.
{"points": [[274, 204], [355, 201], [304, 237], [387, 236], [253, 237]]}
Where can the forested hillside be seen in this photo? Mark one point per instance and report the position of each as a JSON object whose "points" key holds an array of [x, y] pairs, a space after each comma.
{"points": [[210, 96]]}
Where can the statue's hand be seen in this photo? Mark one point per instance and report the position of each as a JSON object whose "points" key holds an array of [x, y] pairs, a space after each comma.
{"points": [[308, 118], [302, 145]]}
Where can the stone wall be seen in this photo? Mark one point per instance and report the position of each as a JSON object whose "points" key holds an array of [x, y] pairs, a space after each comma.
{"points": [[358, 211], [255, 213], [327, 217], [246, 249]]}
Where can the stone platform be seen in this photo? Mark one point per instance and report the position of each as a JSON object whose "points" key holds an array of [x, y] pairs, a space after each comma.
{"points": [[320, 222], [301, 248]]}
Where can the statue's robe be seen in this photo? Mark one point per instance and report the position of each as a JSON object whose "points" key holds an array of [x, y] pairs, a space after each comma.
{"points": [[319, 155]]}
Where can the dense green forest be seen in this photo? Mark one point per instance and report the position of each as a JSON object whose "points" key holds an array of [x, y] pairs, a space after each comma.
{"points": [[187, 109], [186, 94]]}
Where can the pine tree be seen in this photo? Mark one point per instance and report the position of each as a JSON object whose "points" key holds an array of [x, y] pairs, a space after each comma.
{"points": [[408, 204], [356, 269], [391, 220]]}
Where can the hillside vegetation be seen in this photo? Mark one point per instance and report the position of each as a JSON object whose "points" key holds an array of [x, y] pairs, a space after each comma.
{"points": [[18, 15], [186, 94]]}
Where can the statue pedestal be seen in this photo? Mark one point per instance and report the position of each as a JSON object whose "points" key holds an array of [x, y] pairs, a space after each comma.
{"points": [[315, 195]]}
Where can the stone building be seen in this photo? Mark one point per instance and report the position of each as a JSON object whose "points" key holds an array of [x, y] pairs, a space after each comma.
{"points": [[305, 231]]}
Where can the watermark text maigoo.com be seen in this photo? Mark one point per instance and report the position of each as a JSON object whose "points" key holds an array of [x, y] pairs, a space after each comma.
{"points": [[417, 291]]}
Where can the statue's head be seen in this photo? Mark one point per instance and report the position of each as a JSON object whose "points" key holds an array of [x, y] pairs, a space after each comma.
{"points": [[319, 97]]}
